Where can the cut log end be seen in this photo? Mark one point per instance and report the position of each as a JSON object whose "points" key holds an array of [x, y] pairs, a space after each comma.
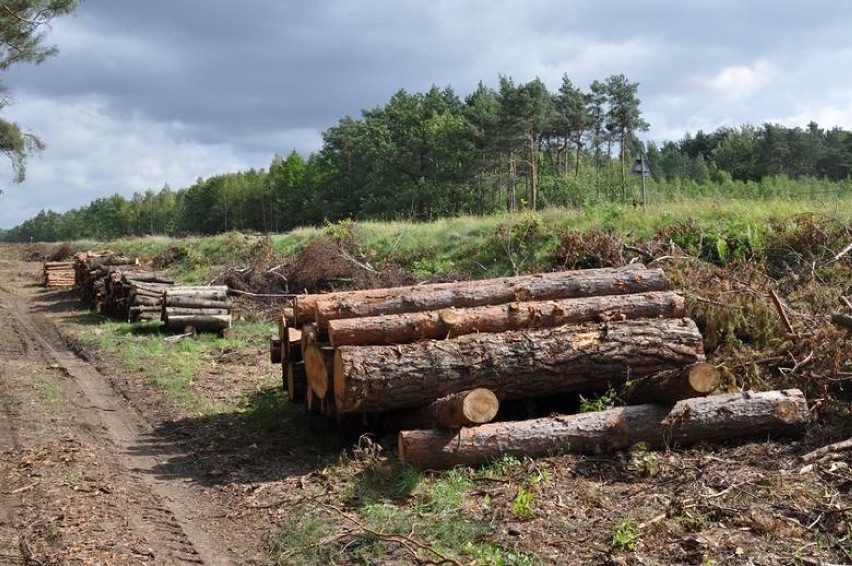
{"points": [[318, 362], [480, 406], [704, 378]]}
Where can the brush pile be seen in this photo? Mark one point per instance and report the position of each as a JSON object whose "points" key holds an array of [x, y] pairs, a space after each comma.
{"points": [[442, 356]]}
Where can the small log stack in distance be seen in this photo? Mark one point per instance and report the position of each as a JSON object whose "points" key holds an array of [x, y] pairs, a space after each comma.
{"points": [[204, 308], [58, 274], [415, 353]]}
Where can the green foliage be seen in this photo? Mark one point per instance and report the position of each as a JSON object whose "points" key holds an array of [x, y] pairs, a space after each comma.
{"points": [[602, 402], [502, 466], [644, 460], [522, 504], [494, 555], [625, 535], [447, 493], [23, 26]]}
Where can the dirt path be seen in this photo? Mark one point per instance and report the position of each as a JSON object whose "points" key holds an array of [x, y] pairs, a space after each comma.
{"points": [[78, 480]]}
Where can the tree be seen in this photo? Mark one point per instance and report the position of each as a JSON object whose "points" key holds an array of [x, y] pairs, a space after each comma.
{"points": [[572, 119], [22, 34], [624, 118]]}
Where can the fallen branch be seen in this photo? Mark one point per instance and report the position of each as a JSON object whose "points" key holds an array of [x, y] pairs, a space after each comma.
{"points": [[820, 453], [842, 253], [780, 308]]}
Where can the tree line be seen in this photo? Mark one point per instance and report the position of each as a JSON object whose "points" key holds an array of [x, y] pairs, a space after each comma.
{"points": [[432, 154]]}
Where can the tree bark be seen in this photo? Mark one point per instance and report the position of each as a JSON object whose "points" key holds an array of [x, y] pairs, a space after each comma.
{"points": [[689, 421], [698, 380], [193, 303], [189, 311], [629, 279], [549, 286], [449, 323], [516, 364]]}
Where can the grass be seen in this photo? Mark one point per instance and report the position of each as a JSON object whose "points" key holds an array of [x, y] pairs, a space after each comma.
{"points": [[175, 366], [48, 392], [502, 244]]}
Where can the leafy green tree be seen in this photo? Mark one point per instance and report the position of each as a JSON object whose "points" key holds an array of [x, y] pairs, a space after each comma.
{"points": [[22, 35]]}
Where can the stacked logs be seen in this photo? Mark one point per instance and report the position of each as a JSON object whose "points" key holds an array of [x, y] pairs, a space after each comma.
{"points": [[134, 295], [204, 308], [443, 356], [91, 270], [145, 298], [58, 274]]}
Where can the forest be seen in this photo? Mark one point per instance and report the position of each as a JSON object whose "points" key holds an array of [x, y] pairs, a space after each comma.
{"points": [[520, 146]]}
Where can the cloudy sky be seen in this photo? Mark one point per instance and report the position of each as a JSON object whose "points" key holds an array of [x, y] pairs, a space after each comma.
{"points": [[160, 92]]}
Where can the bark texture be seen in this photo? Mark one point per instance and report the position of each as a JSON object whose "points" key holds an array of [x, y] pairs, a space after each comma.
{"points": [[514, 365], [698, 380], [449, 323], [715, 418]]}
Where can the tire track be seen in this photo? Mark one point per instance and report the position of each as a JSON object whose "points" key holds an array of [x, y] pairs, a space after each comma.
{"points": [[164, 517]]}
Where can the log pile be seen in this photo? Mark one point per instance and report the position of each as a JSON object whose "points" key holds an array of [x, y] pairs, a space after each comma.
{"points": [[441, 357], [58, 274], [204, 308], [91, 270]]}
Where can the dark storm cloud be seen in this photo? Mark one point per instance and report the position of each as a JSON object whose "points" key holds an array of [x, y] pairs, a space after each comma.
{"points": [[147, 93]]}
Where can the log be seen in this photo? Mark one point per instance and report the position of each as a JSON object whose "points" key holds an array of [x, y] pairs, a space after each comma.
{"points": [[515, 364], [319, 364], [292, 346], [689, 421], [436, 325], [547, 286], [193, 303], [467, 408], [177, 311], [297, 382], [199, 322], [633, 278], [698, 380]]}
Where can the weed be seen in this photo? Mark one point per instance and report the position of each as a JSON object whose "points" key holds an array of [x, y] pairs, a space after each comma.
{"points": [[502, 466], [381, 480], [602, 402], [644, 460], [447, 493], [302, 541], [48, 392], [387, 518], [625, 535], [493, 555], [52, 531], [522, 505]]}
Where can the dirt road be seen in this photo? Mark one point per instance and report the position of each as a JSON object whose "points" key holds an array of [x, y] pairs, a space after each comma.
{"points": [[78, 480]]}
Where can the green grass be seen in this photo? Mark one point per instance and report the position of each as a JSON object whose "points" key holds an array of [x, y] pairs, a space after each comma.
{"points": [[502, 244]]}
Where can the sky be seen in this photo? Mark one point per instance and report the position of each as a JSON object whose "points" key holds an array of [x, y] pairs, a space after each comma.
{"points": [[144, 94]]}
